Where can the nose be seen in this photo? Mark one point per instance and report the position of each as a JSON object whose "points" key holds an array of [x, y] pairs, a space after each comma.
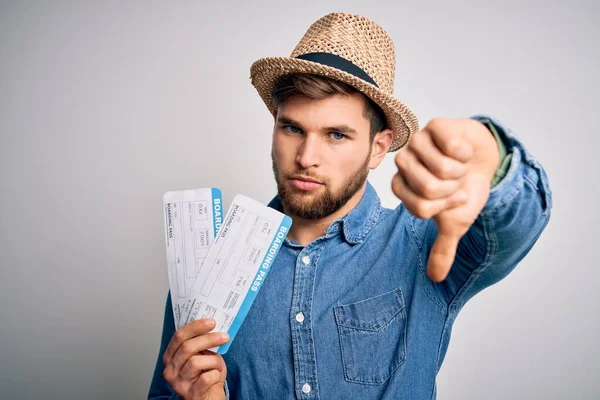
{"points": [[309, 153]]}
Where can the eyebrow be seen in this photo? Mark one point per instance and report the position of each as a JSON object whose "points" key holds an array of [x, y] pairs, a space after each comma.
{"points": [[341, 129], [286, 121], [337, 128]]}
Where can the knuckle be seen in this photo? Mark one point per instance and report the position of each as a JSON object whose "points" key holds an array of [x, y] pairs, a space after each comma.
{"points": [[178, 336], [404, 165], [193, 393], [400, 160], [429, 188], [222, 365], [396, 185], [181, 388], [205, 379], [421, 209], [453, 144], [168, 374], [435, 123], [395, 190], [417, 140], [187, 347], [195, 363], [443, 170]]}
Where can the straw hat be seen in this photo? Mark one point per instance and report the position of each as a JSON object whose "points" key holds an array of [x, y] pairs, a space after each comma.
{"points": [[351, 49]]}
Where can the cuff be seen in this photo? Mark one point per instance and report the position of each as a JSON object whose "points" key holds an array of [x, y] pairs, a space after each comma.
{"points": [[520, 167], [505, 157]]}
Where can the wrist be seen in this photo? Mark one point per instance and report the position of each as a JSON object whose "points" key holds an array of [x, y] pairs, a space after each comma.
{"points": [[487, 150]]}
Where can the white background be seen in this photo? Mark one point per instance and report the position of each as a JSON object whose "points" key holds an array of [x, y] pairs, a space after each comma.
{"points": [[104, 107]]}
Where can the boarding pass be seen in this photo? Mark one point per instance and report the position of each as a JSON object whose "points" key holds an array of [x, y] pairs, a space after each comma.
{"points": [[192, 220], [236, 265]]}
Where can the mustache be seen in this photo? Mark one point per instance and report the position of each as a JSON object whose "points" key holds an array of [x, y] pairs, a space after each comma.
{"points": [[281, 175], [302, 173]]}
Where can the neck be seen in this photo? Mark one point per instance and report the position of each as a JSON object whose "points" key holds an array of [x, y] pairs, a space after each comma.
{"points": [[305, 231]]}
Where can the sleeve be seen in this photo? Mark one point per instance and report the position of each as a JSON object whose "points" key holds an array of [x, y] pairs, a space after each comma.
{"points": [[511, 222], [159, 388]]}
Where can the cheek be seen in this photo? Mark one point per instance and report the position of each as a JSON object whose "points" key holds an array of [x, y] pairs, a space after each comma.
{"points": [[341, 170], [282, 155], [276, 147], [348, 166]]}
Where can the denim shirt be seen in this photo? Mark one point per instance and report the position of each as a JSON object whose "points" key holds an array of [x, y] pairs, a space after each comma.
{"points": [[353, 314]]}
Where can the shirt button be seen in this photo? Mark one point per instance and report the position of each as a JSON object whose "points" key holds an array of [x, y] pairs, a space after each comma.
{"points": [[300, 318], [306, 260], [306, 388]]}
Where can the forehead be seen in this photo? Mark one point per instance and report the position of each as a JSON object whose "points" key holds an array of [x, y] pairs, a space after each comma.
{"points": [[338, 109]]}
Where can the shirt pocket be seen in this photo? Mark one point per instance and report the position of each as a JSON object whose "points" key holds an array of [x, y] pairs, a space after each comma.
{"points": [[372, 336]]}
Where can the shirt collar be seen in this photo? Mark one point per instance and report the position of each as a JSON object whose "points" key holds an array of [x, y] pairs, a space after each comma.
{"points": [[357, 223]]}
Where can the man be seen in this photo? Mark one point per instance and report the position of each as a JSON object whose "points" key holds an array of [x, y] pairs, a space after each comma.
{"points": [[360, 301]]}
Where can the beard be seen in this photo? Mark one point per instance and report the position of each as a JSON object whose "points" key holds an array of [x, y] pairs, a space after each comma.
{"points": [[313, 206]]}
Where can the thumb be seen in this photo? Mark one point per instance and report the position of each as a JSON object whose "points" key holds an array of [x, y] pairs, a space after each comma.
{"points": [[442, 255]]}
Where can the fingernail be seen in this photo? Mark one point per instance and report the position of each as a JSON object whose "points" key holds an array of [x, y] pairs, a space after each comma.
{"points": [[225, 336]]}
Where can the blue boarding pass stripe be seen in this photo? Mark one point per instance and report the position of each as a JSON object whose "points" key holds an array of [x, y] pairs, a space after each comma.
{"points": [[217, 204], [264, 269]]}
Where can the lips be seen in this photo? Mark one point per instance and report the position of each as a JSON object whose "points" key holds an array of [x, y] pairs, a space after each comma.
{"points": [[305, 183]]}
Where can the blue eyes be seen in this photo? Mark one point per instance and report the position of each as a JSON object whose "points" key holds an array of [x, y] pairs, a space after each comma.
{"points": [[335, 136], [292, 129]]}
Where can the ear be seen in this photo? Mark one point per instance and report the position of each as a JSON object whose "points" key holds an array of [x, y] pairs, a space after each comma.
{"points": [[381, 144]]}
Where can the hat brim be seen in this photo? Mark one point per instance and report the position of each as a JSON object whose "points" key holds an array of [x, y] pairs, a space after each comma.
{"points": [[400, 119]]}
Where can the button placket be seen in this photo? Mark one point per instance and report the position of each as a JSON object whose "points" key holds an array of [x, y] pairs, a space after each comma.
{"points": [[302, 336]]}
